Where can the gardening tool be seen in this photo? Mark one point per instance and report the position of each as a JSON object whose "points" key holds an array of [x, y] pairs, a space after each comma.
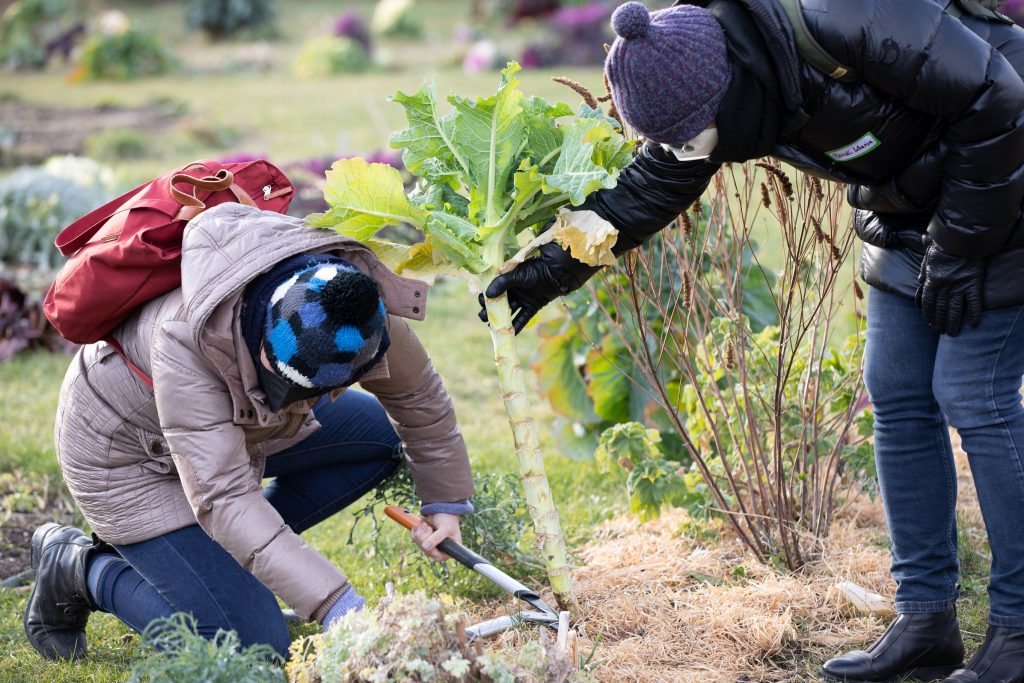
{"points": [[467, 558]]}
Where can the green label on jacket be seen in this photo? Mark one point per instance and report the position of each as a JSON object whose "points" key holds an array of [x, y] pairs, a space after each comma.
{"points": [[858, 148]]}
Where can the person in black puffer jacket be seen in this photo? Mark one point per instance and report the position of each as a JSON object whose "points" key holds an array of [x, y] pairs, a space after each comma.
{"points": [[929, 135]]}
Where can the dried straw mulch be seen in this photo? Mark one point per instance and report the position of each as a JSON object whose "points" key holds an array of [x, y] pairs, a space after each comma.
{"points": [[670, 608], [664, 606]]}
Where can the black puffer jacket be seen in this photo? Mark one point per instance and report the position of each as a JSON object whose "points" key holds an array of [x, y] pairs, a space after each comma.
{"points": [[939, 108]]}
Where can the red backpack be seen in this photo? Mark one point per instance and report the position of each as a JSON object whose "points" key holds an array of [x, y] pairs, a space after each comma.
{"points": [[129, 250]]}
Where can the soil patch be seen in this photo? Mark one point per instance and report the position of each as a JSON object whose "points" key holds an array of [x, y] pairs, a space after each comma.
{"points": [[15, 537], [31, 133]]}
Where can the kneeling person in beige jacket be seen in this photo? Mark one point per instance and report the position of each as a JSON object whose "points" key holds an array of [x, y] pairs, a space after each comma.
{"points": [[250, 363]]}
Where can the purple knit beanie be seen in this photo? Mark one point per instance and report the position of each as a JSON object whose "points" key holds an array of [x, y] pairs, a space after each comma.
{"points": [[668, 70]]}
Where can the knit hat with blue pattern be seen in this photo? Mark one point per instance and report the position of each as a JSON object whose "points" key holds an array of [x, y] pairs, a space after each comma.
{"points": [[325, 325]]}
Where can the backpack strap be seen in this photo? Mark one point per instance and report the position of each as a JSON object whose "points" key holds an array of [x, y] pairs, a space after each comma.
{"points": [[810, 49], [960, 8], [116, 345]]}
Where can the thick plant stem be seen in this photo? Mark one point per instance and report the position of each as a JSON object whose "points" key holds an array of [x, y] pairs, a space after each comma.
{"points": [[527, 444]]}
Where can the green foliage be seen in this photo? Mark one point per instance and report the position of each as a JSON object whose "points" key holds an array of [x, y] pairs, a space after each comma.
{"points": [[120, 144], [25, 28], [172, 650], [585, 366], [36, 203], [499, 530], [652, 481], [123, 56], [330, 55], [489, 170], [396, 18], [220, 19], [831, 387]]}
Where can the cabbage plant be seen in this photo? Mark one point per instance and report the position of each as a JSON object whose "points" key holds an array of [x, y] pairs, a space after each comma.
{"points": [[492, 173]]}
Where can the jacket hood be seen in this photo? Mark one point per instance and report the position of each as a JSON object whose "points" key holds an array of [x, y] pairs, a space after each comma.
{"points": [[229, 245], [774, 26]]}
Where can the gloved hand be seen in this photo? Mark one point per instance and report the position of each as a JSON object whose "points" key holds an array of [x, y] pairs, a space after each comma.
{"points": [[536, 282], [348, 601], [950, 286]]}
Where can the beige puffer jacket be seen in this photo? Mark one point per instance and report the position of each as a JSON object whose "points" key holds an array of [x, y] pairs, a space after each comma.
{"points": [[141, 463]]}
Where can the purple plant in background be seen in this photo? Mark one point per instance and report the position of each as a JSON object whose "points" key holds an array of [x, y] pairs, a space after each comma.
{"points": [[1014, 9], [314, 166], [582, 16], [577, 37], [390, 157], [319, 165], [481, 56], [350, 25], [463, 33]]}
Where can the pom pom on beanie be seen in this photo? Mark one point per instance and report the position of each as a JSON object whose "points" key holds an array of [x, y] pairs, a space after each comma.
{"points": [[631, 21], [350, 297]]}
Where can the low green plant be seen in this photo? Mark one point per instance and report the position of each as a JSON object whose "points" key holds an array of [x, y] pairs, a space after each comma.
{"points": [[124, 56], [498, 530], [220, 19], [589, 373], [36, 203], [120, 144], [415, 639], [329, 56], [171, 649], [652, 480], [26, 28]]}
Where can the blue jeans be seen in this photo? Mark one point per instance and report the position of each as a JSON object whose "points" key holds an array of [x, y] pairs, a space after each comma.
{"points": [[186, 571], [919, 380]]}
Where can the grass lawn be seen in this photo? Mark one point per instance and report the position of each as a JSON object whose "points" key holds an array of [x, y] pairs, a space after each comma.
{"points": [[460, 347], [245, 91]]}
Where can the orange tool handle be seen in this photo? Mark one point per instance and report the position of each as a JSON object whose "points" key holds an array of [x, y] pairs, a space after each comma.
{"points": [[403, 516]]}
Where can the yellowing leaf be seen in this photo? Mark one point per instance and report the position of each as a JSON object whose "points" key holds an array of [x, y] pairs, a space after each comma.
{"points": [[418, 261], [365, 198], [587, 236]]}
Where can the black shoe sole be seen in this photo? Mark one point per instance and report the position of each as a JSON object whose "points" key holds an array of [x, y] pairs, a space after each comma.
{"points": [[925, 675]]}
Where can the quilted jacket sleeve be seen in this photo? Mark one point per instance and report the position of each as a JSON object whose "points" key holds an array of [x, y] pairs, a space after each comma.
{"points": [[933, 63], [218, 477], [652, 190], [423, 415]]}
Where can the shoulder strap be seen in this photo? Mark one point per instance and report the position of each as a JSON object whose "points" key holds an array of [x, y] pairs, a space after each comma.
{"points": [[146, 379], [810, 49], [960, 8]]}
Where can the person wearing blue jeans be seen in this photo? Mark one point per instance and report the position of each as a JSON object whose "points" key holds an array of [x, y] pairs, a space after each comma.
{"points": [[355, 449], [917, 107], [921, 383], [242, 374]]}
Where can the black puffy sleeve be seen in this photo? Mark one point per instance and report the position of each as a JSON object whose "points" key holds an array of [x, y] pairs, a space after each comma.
{"points": [[652, 190]]}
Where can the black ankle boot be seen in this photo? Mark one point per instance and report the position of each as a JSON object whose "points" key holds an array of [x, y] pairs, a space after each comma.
{"points": [[59, 605], [927, 646], [1000, 659]]}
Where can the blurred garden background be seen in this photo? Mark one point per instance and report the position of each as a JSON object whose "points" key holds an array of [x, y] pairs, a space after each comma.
{"points": [[98, 96]]}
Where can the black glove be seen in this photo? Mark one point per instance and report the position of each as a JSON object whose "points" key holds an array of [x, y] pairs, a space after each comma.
{"points": [[538, 281], [949, 287]]}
